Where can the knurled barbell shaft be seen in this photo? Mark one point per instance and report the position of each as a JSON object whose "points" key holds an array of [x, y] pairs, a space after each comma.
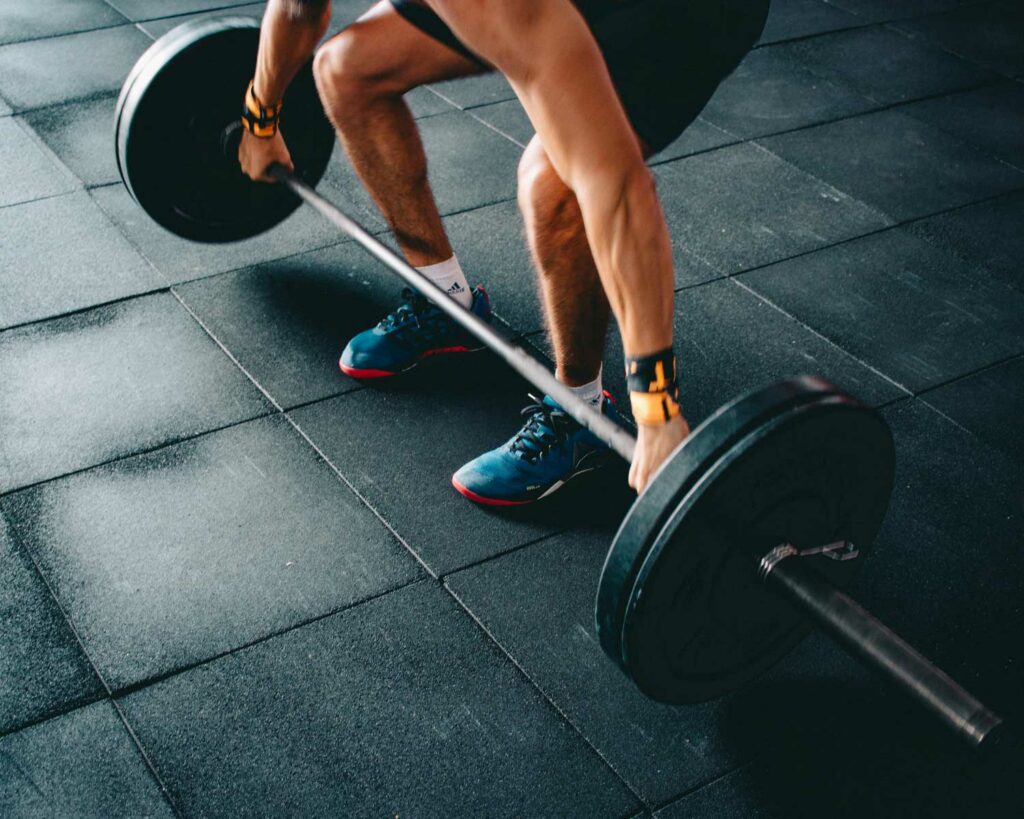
{"points": [[881, 648], [619, 439]]}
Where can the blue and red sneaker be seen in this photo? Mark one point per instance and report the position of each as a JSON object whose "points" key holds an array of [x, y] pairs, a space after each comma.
{"points": [[404, 337], [551, 449]]}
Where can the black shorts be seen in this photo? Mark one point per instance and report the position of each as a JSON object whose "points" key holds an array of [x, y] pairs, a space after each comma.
{"points": [[666, 57]]}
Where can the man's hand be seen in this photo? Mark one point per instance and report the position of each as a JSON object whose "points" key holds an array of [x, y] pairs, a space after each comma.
{"points": [[256, 155], [654, 445]]}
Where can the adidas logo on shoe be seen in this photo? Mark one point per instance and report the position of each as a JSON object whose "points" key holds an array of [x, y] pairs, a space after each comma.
{"points": [[455, 289]]}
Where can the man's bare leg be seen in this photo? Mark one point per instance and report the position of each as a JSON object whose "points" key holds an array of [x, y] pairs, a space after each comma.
{"points": [[575, 304], [362, 74]]}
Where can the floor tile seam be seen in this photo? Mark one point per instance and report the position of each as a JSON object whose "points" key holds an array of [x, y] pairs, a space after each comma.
{"points": [[175, 441], [360, 496], [124, 22], [309, 440], [943, 47], [539, 541], [129, 689], [923, 394], [896, 225], [546, 698], [65, 708], [21, 325], [821, 336], [69, 622], [225, 7], [60, 166], [879, 107], [682, 795], [79, 188], [495, 128]]}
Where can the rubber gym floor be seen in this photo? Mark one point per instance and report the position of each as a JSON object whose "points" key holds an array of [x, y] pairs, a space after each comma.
{"points": [[234, 582]]}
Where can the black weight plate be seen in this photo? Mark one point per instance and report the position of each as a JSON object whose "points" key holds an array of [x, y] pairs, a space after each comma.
{"points": [[177, 127], [680, 605]]}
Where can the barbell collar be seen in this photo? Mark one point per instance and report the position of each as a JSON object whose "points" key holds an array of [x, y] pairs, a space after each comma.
{"points": [[619, 439], [879, 646]]}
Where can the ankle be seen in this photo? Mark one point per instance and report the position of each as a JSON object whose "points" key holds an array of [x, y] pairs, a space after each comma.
{"points": [[449, 277]]}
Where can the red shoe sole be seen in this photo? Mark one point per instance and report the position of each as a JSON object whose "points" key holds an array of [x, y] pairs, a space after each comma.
{"points": [[355, 372], [473, 496]]}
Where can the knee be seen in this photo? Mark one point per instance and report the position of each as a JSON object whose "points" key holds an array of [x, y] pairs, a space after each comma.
{"points": [[541, 191], [348, 67]]}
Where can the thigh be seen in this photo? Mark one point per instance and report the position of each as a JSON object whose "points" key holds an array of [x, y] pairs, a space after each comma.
{"points": [[667, 57]]}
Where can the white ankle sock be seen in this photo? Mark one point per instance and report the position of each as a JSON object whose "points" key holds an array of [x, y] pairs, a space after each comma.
{"points": [[449, 277], [591, 392]]}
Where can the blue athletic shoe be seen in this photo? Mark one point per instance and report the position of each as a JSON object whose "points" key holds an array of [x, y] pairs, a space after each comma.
{"points": [[550, 450], [403, 338]]}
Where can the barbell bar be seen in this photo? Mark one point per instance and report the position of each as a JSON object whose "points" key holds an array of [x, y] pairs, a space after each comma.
{"points": [[746, 532]]}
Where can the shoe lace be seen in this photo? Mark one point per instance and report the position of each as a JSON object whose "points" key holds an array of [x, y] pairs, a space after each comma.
{"points": [[413, 305], [545, 428]]}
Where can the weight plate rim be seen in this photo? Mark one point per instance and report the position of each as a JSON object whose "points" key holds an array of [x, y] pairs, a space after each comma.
{"points": [[762, 404], [144, 72], [839, 401]]}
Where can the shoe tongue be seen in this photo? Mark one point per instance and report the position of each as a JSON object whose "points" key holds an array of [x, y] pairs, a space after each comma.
{"points": [[551, 402]]}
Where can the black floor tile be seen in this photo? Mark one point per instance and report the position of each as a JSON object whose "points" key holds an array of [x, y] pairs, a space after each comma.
{"points": [[988, 404], [660, 750], [789, 19], [42, 667], [161, 25], [170, 558], [398, 707], [987, 236], [469, 92], [877, 11], [469, 164], [900, 165], [67, 256], [400, 446], [30, 20], [28, 171], [956, 511], [81, 764], [740, 207], [905, 307], [771, 91], [887, 66], [286, 322], [64, 69], [991, 119], [136, 10], [105, 383], [82, 135], [733, 796], [179, 260], [990, 34]]}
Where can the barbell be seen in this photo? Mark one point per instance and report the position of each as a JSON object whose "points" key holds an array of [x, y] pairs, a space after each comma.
{"points": [[743, 538]]}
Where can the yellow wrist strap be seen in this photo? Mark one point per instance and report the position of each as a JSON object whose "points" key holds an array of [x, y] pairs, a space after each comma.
{"points": [[260, 120], [653, 408]]}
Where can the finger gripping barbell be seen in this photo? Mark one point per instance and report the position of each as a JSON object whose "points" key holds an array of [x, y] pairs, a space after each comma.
{"points": [[743, 537]]}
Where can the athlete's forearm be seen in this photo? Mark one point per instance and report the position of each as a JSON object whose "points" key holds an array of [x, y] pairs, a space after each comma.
{"points": [[289, 34], [630, 243]]}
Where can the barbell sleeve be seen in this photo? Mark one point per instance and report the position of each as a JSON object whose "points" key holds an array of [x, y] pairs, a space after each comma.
{"points": [[879, 647], [618, 438]]}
